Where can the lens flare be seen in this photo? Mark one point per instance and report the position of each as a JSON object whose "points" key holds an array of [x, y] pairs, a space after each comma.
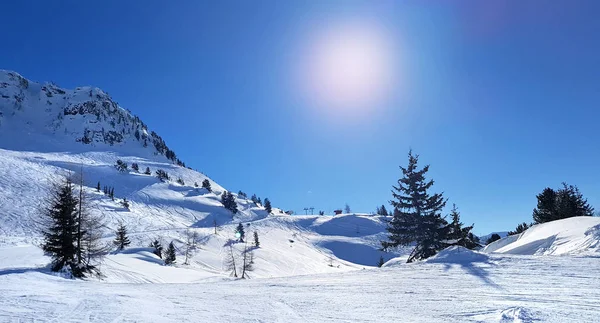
{"points": [[348, 66]]}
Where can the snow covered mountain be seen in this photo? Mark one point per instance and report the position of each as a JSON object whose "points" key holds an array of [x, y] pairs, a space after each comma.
{"points": [[47, 132]]}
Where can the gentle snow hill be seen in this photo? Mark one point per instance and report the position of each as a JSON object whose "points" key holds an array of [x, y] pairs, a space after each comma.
{"points": [[572, 236]]}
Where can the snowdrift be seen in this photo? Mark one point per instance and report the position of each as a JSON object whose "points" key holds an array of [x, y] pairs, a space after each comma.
{"points": [[572, 236]]}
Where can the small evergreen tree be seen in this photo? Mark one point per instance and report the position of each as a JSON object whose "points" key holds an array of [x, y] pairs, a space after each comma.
{"points": [[98, 187], [60, 229], [112, 193], [382, 210], [347, 209], [180, 181], [196, 184], [321, 212], [259, 201], [162, 175], [148, 172], [135, 167], [256, 242], [228, 201], [170, 256], [125, 203], [121, 166], [254, 199], [519, 229], [121, 240], [381, 262], [268, 206], [157, 248], [206, 185], [493, 237], [240, 231]]}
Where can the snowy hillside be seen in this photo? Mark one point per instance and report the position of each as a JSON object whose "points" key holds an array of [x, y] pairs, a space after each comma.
{"points": [[572, 236]]}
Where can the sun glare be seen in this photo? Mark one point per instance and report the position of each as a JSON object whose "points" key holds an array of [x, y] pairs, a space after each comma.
{"points": [[348, 66]]}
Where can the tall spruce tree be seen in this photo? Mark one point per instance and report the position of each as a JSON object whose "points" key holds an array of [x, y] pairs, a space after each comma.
{"points": [[240, 230], [417, 214], [60, 229], [121, 240]]}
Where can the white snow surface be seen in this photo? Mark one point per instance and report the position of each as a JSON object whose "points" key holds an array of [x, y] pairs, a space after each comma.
{"points": [[571, 236]]}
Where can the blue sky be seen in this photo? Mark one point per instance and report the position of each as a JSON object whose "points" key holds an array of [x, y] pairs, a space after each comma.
{"points": [[501, 98]]}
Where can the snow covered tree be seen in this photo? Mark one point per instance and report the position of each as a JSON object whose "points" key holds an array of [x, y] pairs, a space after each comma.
{"points": [[157, 248], [493, 237], [256, 242], [147, 172], [206, 185], [417, 214], [135, 167], [121, 166], [170, 256], [191, 243], [240, 231], [60, 229], [268, 206], [121, 239]]}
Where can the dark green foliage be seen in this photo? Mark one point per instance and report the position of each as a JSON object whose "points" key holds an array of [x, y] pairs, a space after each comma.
{"points": [[268, 206], [170, 255], [206, 185], [157, 248], [254, 199], [196, 184], [98, 187], [559, 204], [162, 175], [493, 238], [382, 210], [125, 203], [60, 233], [258, 201], [381, 262], [520, 229], [459, 235], [121, 166], [228, 201], [121, 239], [321, 212], [417, 214], [256, 242], [242, 233], [135, 167], [111, 193], [148, 172], [180, 181], [242, 195]]}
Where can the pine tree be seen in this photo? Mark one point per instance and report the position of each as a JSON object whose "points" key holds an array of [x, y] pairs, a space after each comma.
{"points": [[228, 201], [268, 206], [121, 166], [519, 229], [259, 201], [135, 167], [457, 234], [121, 240], [382, 210], [254, 199], [112, 193], [347, 209], [162, 175], [125, 203], [561, 204], [206, 185], [98, 187], [60, 229], [157, 248], [196, 184], [170, 256], [381, 262], [240, 231], [493, 237], [417, 214], [180, 181], [148, 172], [256, 242]]}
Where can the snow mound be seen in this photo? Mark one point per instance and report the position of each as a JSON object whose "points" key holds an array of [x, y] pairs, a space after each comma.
{"points": [[458, 255], [572, 236]]}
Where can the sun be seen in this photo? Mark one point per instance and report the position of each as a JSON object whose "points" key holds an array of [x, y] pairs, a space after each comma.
{"points": [[348, 66]]}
